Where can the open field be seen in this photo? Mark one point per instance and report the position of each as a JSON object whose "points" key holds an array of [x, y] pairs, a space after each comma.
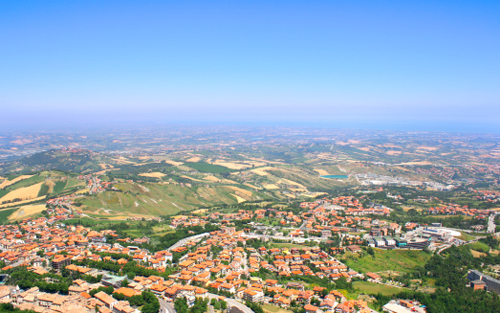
{"points": [[153, 174], [24, 193], [7, 183], [384, 260], [4, 214], [201, 211], [321, 172], [252, 186], [27, 210], [477, 254], [247, 193], [374, 288], [231, 165], [213, 179], [158, 199], [287, 245], [270, 186], [193, 179], [261, 171], [220, 180], [203, 167], [271, 308], [238, 198], [479, 247], [7, 205], [194, 159]]}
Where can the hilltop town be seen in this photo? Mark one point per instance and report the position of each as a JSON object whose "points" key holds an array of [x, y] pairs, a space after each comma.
{"points": [[289, 224]]}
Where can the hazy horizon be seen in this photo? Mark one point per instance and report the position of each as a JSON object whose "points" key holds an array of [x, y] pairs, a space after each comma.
{"points": [[421, 66]]}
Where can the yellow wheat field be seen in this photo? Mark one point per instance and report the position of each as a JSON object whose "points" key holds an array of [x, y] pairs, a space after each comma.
{"points": [[27, 210], [201, 211], [174, 163], [270, 186], [252, 186], [218, 180], [247, 193], [24, 193], [321, 172], [194, 159], [193, 179], [7, 183], [153, 174], [261, 171], [238, 198], [6, 205], [212, 179], [231, 165], [291, 182]]}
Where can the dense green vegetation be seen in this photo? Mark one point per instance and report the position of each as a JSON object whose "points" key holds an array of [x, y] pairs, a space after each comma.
{"points": [[451, 294], [9, 308], [386, 260], [200, 306], [208, 168], [5, 213]]}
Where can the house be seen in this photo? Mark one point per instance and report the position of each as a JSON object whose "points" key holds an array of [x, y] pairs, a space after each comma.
{"points": [[253, 295], [310, 308]]}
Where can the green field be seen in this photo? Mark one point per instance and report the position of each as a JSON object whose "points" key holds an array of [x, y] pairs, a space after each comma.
{"points": [[374, 288], [6, 213], [479, 246], [387, 260], [155, 199], [287, 245], [271, 308], [208, 168]]}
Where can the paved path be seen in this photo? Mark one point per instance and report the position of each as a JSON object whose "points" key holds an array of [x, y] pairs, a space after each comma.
{"points": [[232, 302], [183, 241], [491, 223], [166, 307]]}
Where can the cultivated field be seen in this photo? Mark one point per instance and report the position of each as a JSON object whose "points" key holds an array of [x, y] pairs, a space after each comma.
{"points": [[6, 205], [238, 198], [153, 174], [270, 186], [7, 183], [383, 260], [194, 159], [247, 193], [24, 193], [321, 172], [374, 288], [261, 171], [27, 210], [231, 165], [193, 179]]}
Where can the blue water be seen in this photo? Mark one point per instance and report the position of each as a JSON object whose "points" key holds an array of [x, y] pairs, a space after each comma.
{"points": [[334, 176]]}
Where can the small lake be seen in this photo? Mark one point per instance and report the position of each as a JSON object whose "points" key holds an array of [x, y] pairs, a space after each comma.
{"points": [[335, 176]]}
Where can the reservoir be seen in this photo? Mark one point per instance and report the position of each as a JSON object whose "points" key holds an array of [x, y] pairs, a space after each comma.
{"points": [[335, 176]]}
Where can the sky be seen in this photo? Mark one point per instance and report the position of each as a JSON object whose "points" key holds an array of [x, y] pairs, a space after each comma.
{"points": [[405, 65]]}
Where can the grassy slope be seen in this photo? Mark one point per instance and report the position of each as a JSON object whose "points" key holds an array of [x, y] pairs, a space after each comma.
{"points": [[156, 199], [385, 260], [374, 288]]}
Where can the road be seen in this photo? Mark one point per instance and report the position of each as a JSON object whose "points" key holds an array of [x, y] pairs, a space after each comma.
{"points": [[166, 307], [183, 241], [491, 223], [232, 302]]}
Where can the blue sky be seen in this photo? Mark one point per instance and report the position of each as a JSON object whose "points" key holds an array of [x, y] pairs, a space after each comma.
{"points": [[419, 65]]}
